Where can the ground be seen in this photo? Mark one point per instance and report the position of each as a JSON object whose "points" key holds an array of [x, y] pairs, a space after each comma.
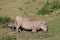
{"points": [[29, 8]]}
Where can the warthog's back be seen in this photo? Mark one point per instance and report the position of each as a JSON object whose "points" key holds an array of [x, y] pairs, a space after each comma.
{"points": [[31, 24]]}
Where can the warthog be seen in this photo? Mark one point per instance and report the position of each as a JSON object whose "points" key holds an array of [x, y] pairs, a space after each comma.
{"points": [[28, 24]]}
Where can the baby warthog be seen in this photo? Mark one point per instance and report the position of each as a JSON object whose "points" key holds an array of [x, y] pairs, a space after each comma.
{"points": [[29, 24]]}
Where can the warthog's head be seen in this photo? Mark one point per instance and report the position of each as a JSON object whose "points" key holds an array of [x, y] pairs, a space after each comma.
{"points": [[43, 26], [11, 25]]}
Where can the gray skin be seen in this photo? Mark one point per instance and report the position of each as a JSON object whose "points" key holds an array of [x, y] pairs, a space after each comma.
{"points": [[28, 24]]}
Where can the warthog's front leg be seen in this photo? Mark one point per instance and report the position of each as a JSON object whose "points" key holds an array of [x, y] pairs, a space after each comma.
{"points": [[17, 28]]}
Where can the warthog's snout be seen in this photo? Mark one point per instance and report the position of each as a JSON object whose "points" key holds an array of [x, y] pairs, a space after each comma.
{"points": [[46, 30]]}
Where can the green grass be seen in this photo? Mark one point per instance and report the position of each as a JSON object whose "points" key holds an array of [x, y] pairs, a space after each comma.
{"points": [[49, 7], [29, 8], [4, 20], [7, 37]]}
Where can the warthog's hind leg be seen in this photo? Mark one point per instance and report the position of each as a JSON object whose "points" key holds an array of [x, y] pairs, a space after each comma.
{"points": [[34, 30]]}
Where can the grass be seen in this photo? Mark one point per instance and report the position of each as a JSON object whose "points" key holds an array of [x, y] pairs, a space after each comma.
{"points": [[49, 7], [8, 38], [4, 20], [12, 8]]}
